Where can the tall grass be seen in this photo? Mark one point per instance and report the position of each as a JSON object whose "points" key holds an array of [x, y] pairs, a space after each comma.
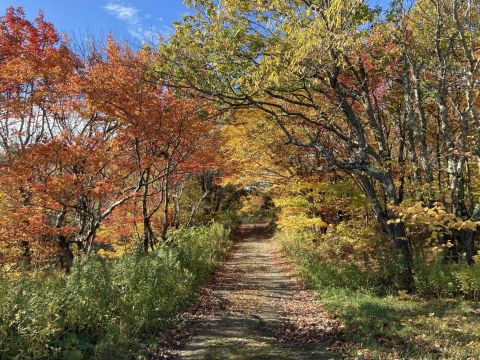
{"points": [[105, 307], [380, 322], [380, 274]]}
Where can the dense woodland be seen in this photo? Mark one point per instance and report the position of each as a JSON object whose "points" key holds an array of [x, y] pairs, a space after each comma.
{"points": [[354, 131]]}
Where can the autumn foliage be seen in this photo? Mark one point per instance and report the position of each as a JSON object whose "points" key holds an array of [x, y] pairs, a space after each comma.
{"points": [[355, 134], [88, 144]]}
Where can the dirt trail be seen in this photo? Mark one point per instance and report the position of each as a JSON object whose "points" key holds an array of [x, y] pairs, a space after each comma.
{"points": [[254, 308]]}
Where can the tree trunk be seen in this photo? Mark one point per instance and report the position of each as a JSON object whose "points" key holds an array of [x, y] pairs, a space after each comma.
{"points": [[147, 230], [395, 232], [196, 206], [66, 254], [165, 208], [467, 241], [27, 254]]}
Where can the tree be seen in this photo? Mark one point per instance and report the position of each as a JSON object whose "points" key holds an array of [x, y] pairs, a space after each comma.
{"points": [[83, 138], [376, 99], [439, 72], [35, 70], [36, 67], [167, 137], [309, 66], [73, 183]]}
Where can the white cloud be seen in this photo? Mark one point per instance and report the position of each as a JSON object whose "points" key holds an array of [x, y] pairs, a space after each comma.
{"points": [[131, 16], [146, 35], [126, 13]]}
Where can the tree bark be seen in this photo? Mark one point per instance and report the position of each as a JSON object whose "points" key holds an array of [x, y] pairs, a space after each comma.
{"points": [[395, 231], [165, 206]]}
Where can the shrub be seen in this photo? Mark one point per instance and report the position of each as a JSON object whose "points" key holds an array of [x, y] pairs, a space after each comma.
{"points": [[332, 264], [443, 279], [467, 278], [230, 219], [322, 271], [105, 306]]}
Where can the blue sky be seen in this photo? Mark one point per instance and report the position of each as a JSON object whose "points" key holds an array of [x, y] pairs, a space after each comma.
{"points": [[134, 20]]}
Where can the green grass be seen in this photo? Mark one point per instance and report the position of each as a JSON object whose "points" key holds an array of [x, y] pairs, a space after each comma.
{"points": [[405, 327], [105, 308], [383, 323]]}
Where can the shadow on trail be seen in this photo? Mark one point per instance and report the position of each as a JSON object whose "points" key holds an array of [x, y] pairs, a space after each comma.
{"points": [[248, 232]]}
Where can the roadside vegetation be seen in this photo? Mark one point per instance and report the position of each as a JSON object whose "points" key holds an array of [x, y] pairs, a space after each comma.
{"points": [[382, 321], [106, 308]]}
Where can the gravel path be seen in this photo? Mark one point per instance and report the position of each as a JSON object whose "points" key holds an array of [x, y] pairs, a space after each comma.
{"points": [[255, 308]]}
